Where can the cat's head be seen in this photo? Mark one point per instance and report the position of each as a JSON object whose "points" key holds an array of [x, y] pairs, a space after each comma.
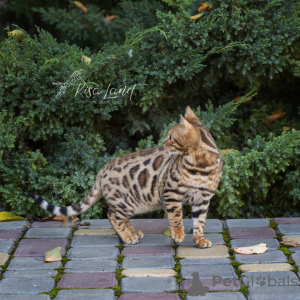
{"points": [[184, 137]]}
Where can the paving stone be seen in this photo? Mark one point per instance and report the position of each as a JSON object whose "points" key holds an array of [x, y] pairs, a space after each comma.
{"points": [[207, 272], [154, 240], [92, 252], [30, 263], [95, 240], [26, 285], [265, 267], [95, 231], [29, 273], [51, 224], [205, 261], [3, 258], [10, 235], [150, 226], [49, 233], [25, 297], [274, 293], [269, 257], [295, 249], [146, 262], [154, 296], [296, 258], [13, 225], [91, 266], [88, 280], [149, 251], [95, 223], [215, 238], [217, 284], [149, 273], [194, 252], [38, 247], [295, 238], [247, 223], [289, 229], [148, 284], [211, 226], [251, 233], [287, 220], [6, 246], [283, 278], [219, 296], [272, 244], [85, 294]]}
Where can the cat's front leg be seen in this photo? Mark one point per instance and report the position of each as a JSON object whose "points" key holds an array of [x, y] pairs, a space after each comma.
{"points": [[174, 211], [199, 213]]}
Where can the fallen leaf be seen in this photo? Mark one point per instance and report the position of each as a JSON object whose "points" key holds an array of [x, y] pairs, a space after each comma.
{"points": [[197, 16], [81, 6], [86, 59], [17, 33], [261, 216], [276, 115], [237, 99], [205, 6], [74, 219], [53, 255], [167, 232], [290, 243], [7, 216], [85, 224], [225, 151], [109, 18], [256, 249], [60, 218]]}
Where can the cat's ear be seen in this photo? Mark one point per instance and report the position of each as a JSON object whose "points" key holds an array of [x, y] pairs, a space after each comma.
{"points": [[188, 127], [190, 115]]}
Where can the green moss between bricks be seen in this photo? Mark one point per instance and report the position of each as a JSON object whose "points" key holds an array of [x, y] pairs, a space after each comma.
{"points": [[273, 225], [244, 290], [52, 293]]}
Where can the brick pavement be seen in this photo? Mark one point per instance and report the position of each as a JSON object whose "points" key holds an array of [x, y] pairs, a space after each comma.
{"points": [[97, 265]]}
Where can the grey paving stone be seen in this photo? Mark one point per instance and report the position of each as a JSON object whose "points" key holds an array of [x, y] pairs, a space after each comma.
{"points": [[94, 294], [6, 246], [287, 220], [215, 238], [272, 244], [149, 296], [257, 279], [13, 225], [95, 223], [151, 226], [10, 235], [296, 258], [247, 223], [95, 240], [26, 285], [274, 293], [30, 263], [295, 249], [205, 261], [251, 233], [146, 262], [211, 226], [51, 224], [91, 266], [149, 251], [25, 297], [29, 273], [289, 229], [269, 257], [148, 284], [207, 271], [219, 296], [93, 252], [49, 233], [154, 240], [216, 284]]}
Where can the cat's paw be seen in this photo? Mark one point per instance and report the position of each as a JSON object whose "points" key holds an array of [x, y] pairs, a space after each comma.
{"points": [[139, 233], [202, 243], [130, 238], [177, 234]]}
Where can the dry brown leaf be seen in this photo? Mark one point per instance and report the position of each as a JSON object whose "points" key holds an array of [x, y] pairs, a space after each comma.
{"points": [[225, 151], [85, 224], [60, 218], [290, 243], [256, 249], [81, 6], [276, 115], [109, 18], [237, 99], [205, 6]]}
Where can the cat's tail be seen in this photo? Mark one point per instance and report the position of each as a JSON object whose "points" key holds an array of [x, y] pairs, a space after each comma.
{"points": [[89, 200]]}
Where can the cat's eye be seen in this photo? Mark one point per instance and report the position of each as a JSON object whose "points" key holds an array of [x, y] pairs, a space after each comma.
{"points": [[170, 137]]}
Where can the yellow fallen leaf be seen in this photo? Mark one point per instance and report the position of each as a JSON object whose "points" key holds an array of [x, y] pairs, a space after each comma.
{"points": [[276, 115], [81, 6], [205, 6], [17, 33], [53, 255], [225, 151], [197, 16], [86, 59], [167, 232], [256, 249], [7, 216]]}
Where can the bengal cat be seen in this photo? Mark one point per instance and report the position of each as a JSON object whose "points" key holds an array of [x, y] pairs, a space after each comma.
{"points": [[186, 170]]}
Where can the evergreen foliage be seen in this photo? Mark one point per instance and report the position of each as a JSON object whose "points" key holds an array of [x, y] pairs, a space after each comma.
{"points": [[57, 130]]}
